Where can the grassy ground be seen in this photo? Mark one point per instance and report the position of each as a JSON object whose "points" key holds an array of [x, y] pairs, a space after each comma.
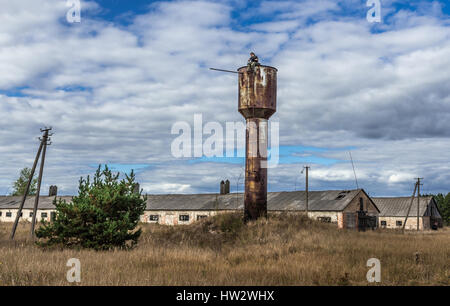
{"points": [[284, 250]]}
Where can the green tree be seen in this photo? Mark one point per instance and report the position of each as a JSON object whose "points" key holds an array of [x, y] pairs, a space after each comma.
{"points": [[20, 185], [104, 215], [443, 203]]}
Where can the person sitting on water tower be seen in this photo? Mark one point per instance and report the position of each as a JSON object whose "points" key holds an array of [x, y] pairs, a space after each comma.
{"points": [[252, 62]]}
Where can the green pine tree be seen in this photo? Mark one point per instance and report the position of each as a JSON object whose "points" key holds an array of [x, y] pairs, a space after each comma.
{"points": [[20, 185], [443, 203], [104, 215]]}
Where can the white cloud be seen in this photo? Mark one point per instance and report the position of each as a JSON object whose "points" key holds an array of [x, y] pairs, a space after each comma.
{"points": [[400, 178], [112, 92], [162, 188]]}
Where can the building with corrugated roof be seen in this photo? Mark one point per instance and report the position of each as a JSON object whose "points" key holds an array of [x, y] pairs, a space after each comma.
{"points": [[335, 206], [9, 206], [393, 211]]}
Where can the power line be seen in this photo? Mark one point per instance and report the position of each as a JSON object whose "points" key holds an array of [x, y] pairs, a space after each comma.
{"points": [[354, 172]]}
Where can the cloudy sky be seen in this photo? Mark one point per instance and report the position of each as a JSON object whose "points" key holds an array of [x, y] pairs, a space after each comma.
{"points": [[113, 85]]}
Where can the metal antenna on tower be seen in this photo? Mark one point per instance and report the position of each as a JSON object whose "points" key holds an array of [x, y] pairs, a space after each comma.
{"points": [[224, 70]]}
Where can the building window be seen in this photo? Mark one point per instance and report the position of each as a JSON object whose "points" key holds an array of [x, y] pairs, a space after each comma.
{"points": [[52, 216], [21, 214], [0, 213], [184, 218], [324, 219], [43, 215], [398, 223], [153, 218], [199, 217], [383, 223], [9, 214], [31, 214]]}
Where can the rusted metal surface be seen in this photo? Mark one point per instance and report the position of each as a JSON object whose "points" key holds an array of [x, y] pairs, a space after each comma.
{"points": [[258, 92], [255, 198], [257, 102]]}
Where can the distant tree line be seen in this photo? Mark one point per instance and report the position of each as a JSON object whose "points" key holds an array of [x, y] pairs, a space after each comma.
{"points": [[443, 203]]}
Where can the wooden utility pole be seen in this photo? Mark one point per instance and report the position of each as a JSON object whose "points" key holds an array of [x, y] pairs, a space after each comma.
{"points": [[45, 141], [30, 179], [42, 148], [418, 201], [306, 188], [410, 205]]}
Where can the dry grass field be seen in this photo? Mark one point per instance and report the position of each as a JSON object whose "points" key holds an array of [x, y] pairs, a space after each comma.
{"points": [[283, 250]]}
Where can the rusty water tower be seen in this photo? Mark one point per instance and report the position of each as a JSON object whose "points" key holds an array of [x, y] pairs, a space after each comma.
{"points": [[257, 102]]}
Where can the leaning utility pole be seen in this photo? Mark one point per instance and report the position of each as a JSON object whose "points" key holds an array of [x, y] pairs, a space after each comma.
{"points": [[45, 141], [306, 188], [418, 200], [416, 187]]}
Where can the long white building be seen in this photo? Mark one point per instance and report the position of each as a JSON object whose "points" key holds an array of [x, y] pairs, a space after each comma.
{"points": [[335, 206]]}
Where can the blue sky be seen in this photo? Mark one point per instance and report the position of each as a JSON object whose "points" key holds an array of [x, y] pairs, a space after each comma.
{"points": [[114, 85], [286, 155], [122, 12]]}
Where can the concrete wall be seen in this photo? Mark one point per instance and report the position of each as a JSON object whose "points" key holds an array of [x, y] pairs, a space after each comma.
{"points": [[165, 217], [173, 217], [334, 216], [25, 215], [411, 224]]}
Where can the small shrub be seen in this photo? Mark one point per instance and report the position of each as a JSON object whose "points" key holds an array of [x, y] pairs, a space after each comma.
{"points": [[230, 224]]}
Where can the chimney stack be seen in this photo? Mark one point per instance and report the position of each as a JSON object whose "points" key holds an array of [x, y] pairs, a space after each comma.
{"points": [[222, 187], [227, 187], [53, 191]]}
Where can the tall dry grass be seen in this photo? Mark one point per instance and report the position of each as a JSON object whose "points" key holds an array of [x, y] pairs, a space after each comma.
{"points": [[283, 250]]}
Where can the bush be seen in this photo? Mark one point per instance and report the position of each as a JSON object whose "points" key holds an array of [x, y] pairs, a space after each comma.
{"points": [[103, 216], [232, 224]]}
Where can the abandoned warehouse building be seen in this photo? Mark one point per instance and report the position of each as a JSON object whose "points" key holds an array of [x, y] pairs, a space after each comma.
{"points": [[393, 212], [335, 206], [345, 208]]}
